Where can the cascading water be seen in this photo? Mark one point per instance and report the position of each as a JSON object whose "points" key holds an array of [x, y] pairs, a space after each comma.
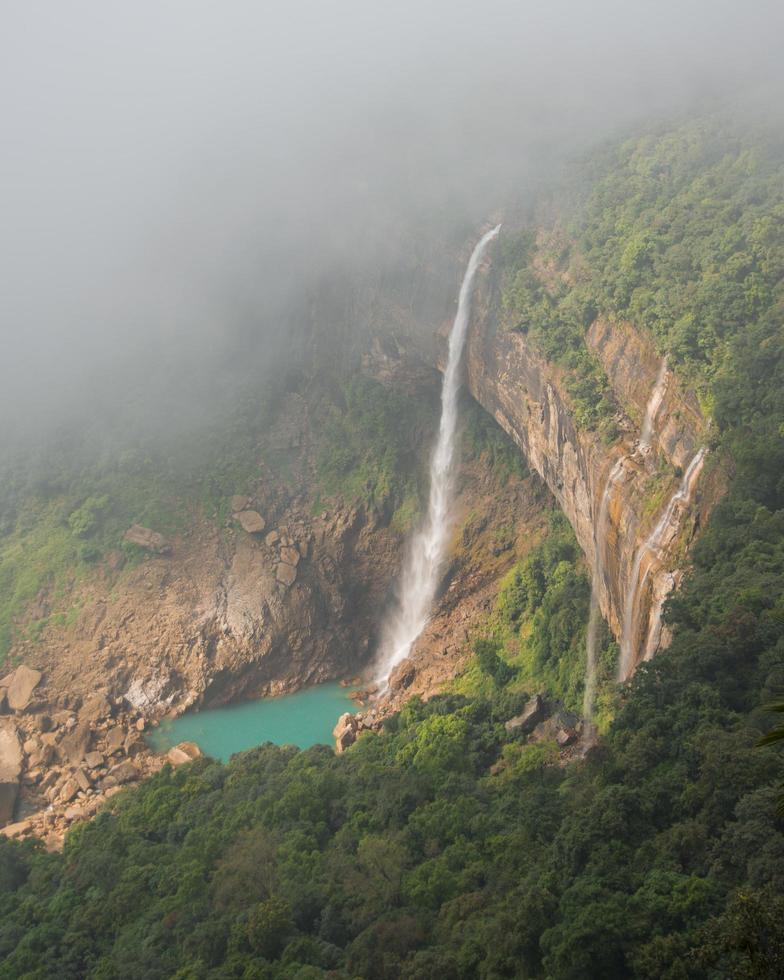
{"points": [[653, 406], [652, 546], [600, 547], [420, 576]]}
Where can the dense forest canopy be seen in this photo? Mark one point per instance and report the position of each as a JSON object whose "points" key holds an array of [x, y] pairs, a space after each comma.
{"points": [[444, 846]]}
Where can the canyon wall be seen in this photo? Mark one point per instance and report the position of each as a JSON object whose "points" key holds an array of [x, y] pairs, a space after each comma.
{"points": [[652, 513]]}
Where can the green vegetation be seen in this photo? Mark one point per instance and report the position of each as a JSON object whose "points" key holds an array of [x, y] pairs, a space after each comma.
{"points": [[535, 638], [369, 447], [681, 232], [555, 317], [483, 439]]}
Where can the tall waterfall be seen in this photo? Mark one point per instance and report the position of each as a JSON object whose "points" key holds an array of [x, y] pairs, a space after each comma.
{"points": [[421, 572], [600, 549], [653, 406], [651, 547]]}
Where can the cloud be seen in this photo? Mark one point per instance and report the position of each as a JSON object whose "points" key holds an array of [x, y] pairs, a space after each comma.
{"points": [[174, 171]]}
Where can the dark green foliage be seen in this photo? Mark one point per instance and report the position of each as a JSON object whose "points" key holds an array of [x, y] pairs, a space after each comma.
{"points": [[483, 439], [369, 443]]}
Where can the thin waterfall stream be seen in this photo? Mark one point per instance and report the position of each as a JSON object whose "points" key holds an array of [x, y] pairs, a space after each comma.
{"points": [[422, 570]]}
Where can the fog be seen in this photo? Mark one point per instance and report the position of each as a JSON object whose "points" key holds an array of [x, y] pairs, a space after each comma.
{"points": [[176, 176]]}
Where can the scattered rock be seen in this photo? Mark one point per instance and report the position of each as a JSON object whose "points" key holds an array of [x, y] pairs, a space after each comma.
{"points": [[73, 747], [286, 574], [346, 731], [23, 682], [251, 521], [115, 738], [134, 745], [238, 503], [10, 768], [145, 538], [533, 713], [19, 829], [95, 709], [290, 556], [183, 752], [62, 718], [566, 736], [68, 790], [124, 772], [83, 780]]}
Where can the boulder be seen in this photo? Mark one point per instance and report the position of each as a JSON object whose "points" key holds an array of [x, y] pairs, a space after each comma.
{"points": [[144, 537], [533, 713], [95, 709], [565, 736], [115, 739], [23, 682], [68, 791], [239, 503], [290, 556], [74, 813], [10, 768], [83, 780], [183, 752], [346, 731], [74, 746], [286, 574], [251, 521], [20, 829], [124, 772], [93, 759], [272, 539]]}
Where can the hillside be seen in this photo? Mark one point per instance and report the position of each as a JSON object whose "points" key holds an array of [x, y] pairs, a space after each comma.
{"points": [[450, 843]]}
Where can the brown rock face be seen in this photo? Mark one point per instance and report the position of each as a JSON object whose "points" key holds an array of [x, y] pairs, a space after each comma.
{"points": [[23, 682], [526, 395]]}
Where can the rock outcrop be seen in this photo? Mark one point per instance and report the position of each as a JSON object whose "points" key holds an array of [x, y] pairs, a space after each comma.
{"points": [[147, 539], [527, 396]]}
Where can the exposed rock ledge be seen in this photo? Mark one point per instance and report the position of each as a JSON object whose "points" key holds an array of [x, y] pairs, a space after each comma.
{"points": [[526, 395]]}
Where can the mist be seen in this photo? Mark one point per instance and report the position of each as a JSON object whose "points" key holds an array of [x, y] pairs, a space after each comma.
{"points": [[177, 177]]}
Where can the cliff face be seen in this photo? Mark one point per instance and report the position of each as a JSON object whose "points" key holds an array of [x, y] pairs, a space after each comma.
{"points": [[637, 537]]}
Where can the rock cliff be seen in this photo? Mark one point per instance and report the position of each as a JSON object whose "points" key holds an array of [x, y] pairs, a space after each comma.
{"points": [[652, 513]]}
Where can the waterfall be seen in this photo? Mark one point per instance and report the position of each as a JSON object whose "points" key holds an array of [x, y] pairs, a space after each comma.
{"points": [[421, 572], [653, 406], [599, 549], [652, 546]]}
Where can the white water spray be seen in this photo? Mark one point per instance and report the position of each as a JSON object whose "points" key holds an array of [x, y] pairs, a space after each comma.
{"points": [[652, 546], [421, 573], [653, 406]]}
